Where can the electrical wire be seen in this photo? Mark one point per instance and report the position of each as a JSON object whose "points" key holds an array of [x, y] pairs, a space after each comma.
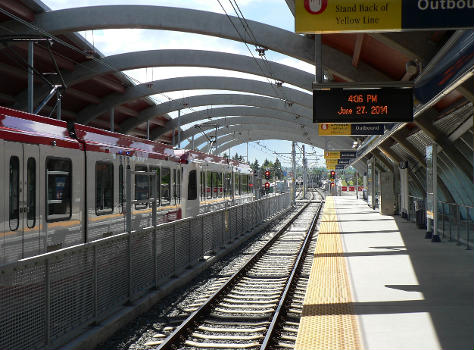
{"points": [[74, 48], [278, 93]]}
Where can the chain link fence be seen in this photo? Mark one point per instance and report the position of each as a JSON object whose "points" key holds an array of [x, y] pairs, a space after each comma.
{"points": [[49, 299]]}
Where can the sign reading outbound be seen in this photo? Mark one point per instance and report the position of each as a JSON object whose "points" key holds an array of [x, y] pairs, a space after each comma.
{"points": [[339, 154], [349, 103], [350, 129], [331, 16]]}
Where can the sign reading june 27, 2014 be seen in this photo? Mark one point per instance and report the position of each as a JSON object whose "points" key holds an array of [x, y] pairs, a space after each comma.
{"points": [[347, 103], [331, 16]]}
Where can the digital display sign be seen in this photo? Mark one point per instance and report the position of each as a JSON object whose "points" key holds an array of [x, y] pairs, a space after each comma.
{"points": [[344, 103]]}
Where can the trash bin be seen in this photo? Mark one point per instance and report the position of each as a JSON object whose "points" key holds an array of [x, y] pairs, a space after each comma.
{"points": [[420, 214]]}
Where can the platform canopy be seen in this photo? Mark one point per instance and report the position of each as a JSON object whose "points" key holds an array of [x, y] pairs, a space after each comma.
{"points": [[261, 98]]}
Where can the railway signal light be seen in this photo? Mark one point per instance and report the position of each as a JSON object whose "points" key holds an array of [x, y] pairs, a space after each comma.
{"points": [[267, 187], [267, 175], [332, 175]]}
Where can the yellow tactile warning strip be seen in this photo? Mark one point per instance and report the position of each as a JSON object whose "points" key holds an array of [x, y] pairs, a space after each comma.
{"points": [[328, 320]]}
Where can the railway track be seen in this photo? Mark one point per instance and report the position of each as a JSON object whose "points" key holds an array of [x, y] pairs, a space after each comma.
{"points": [[260, 304]]}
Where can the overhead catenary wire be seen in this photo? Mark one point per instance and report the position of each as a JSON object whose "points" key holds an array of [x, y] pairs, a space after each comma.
{"points": [[252, 38], [74, 48]]}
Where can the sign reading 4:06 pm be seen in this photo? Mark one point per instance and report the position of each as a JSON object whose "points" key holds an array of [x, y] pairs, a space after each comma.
{"points": [[349, 103]]}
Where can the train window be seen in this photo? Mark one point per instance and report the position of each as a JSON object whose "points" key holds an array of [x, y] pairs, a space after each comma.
{"points": [[243, 184], [192, 185], [209, 189], [31, 192], [14, 199], [214, 184], [174, 187], [203, 186], [121, 184], [58, 189], [165, 186], [177, 185], [228, 184], [104, 188], [155, 169], [142, 187], [220, 187], [237, 183]]}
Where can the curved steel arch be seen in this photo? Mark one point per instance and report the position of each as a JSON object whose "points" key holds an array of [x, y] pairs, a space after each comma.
{"points": [[173, 58], [200, 22], [193, 83], [306, 134], [270, 135], [212, 100], [222, 124], [243, 135], [256, 112]]}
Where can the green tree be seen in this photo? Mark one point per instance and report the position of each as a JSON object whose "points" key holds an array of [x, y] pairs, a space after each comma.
{"points": [[255, 166], [277, 171]]}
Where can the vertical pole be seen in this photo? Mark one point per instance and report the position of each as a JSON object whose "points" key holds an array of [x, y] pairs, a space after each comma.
{"points": [[30, 76], [192, 143], [305, 184], [436, 237], [47, 280], [357, 184], [293, 178], [248, 152], [179, 128], [95, 284], [318, 57], [467, 228], [129, 230], [148, 129], [172, 138], [112, 119], [154, 191], [128, 193], [58, 105]]}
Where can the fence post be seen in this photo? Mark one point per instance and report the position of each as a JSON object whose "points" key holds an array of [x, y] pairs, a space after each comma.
{"points": [[48, 302], [129, 231], [458, 221], [442, 209], [153, 232], [202, 240], [467, 228], [450, 218], [95, 288]]}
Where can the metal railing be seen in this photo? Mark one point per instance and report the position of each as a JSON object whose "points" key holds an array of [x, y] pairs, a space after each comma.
{"points": [[414, 204], [455, 222], [49, 299]]}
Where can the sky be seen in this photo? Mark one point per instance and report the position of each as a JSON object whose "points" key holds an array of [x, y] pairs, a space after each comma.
{"points": [[272, 12]]}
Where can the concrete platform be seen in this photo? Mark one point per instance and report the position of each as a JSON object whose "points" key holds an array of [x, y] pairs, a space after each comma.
{"points": [[405, 291]]}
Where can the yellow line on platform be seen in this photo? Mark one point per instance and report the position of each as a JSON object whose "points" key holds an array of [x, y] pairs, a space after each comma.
{"points": [[328, 320]]}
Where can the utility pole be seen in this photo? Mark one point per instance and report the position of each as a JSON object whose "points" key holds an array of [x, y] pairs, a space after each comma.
{"points": [[305, 173], [293, 178]]}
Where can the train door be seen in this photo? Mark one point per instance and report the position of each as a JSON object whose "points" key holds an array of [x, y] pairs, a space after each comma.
{"points": [[21, 237]]}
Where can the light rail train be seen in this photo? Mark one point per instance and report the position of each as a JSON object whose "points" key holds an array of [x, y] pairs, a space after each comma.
{"points": [[63, 184]]}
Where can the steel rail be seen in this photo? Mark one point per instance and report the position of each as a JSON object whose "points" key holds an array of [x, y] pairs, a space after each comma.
{"points": [[182, 329], [269, 336]]}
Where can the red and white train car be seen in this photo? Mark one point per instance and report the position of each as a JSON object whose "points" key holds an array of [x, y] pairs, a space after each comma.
{"points": [[64, 184]]}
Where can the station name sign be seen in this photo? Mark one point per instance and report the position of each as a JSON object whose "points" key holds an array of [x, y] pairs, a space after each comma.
{"points": [[350, 103], [336, 16]]}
